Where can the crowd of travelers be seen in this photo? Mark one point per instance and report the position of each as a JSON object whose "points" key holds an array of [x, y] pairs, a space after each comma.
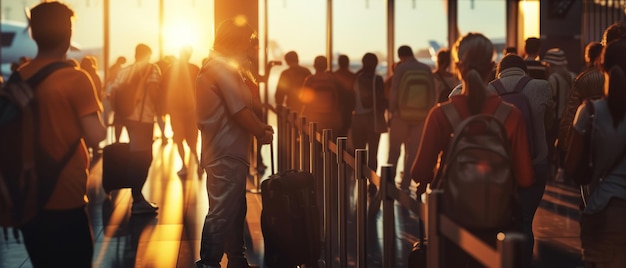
{"points": [[563, 123]]}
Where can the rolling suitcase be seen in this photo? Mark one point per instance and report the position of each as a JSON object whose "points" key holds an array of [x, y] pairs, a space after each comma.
{"points": [[115, 160], [290, 220]]}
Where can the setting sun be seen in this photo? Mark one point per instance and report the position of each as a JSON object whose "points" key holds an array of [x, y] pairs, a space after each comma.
{"points": [[177, 34]]}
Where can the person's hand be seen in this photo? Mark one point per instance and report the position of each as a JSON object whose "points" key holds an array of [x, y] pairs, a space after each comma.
{"points": [[421, 189], [268, 137]]}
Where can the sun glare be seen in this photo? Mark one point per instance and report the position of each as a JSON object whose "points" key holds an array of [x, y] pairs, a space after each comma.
{"points": [[178, 34]]}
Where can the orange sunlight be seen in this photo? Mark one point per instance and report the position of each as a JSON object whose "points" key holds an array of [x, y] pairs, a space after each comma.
{"points": [[177, 34]]}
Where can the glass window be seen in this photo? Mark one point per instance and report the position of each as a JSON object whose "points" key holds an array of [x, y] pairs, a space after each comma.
{"points": [[484, 16], [423, 26]]}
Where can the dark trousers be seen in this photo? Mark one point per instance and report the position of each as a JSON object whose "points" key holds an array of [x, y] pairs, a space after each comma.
{"points": [[224, 224], [59, 238], [140, 136], [603, 236], [530, 199]]}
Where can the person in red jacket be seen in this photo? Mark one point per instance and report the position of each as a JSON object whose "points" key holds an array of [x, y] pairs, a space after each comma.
{"points": [[472, 55]]}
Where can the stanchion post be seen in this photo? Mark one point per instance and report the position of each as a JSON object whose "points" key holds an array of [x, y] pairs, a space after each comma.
{"points": [[433, 252], [304, 142], [361, 207], [510, 247], [293, 141], [342, 242], [328, 206], [389, 237]]}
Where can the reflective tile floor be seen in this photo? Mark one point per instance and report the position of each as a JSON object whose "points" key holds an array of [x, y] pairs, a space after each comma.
{"points": [[172, 238]]}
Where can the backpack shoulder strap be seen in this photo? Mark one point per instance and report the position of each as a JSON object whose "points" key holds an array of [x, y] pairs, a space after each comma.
{"points": [[502, 112], [451, 113], [45, 71], [497, 84], [519, 87]]}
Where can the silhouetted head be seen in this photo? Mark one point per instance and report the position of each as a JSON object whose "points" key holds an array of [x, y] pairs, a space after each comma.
{"points": [[472, 55], [233, 38], [443, 58], [369, 62], [88, 63], [593, 51], [343, 61], [320, 64], [614, 66], [509, 50], [405, 52], [532, 46], [613, 32], [511, 61], [51, 25], [291, 58], [142, 53], [555, 57], [120, 60]]}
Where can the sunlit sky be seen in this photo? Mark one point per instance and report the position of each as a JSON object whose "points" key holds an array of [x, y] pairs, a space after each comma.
{"points": [[300, 25]]}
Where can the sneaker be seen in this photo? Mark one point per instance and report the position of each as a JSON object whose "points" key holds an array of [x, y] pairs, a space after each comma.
{"points": [[144, 207]]}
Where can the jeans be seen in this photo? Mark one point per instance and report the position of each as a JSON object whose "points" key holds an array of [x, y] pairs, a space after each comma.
{"points": [[530, 198], [409, 134], [224, 224]]}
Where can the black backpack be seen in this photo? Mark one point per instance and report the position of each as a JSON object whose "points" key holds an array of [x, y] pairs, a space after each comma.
{"points": [[477, 171], [28, 173], [520, 101]]}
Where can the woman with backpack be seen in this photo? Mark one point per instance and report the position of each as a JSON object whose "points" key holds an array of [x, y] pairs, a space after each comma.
{"points": [[368, 120], [600, 126], [472, 55]]}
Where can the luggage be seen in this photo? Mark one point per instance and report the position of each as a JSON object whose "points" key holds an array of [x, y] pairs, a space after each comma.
{"points": [[115, 160], [290, 220]]}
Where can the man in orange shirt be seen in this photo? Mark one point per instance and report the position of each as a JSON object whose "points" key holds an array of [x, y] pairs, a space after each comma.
{"points": [[69, 111]]}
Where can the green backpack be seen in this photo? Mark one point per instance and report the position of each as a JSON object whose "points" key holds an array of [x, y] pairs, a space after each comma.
{"points": [[416, 95]]}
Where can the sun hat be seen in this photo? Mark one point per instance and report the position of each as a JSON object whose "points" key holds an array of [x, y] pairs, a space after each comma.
{"points": [[555, 56]]}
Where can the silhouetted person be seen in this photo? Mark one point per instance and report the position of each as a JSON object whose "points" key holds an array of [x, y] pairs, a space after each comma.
{"points": [[118, 121], [227, 123], [346, 78], [407, 132], [140, 123], [511, 70], [61, 235], [445, 81], [106, 102], [164, 64], [587, 85], [321, 97], [180, 90], [472, 54], [368, 121], [561, 80], [290, 82], [536, 69], [600, 125]]}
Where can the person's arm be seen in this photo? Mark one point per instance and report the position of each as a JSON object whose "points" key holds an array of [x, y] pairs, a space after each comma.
{"points": [[93, 129], [434, 139], [249, 121]]}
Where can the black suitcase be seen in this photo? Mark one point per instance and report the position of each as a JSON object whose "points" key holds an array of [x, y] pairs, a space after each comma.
{"points": [[115, 160], [290, 220]]}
